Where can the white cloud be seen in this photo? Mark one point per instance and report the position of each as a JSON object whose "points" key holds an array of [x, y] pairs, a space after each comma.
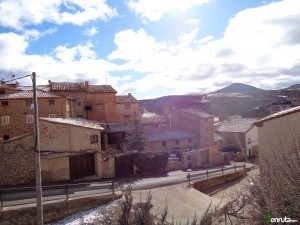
{"points": [[90, 32], [65, 63], [19, 13], [260, 47], [153, 10], [35, 34]]}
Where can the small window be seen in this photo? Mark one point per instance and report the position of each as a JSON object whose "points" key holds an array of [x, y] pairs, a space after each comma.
{"points": [[5, 137], [79, 116], [79, 103], [5, 103], [52, 115], [94, 139], [127, 118], [29, 103], [51, 102], [177, 142], [99, 107], [164, 143], [127, 106], [5, 120], [29, 118]]}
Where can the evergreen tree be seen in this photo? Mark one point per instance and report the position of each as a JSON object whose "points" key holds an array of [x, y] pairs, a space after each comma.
{"points": [[135, 138]]}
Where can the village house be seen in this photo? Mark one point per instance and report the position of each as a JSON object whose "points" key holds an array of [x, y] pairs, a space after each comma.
{"points": [[278, 138], [236, 133], [71, 149], [127, 107], [16, 111]]}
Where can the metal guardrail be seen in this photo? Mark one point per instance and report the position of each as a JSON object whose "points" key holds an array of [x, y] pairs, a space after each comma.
{"points": [[213, 173], [27, 195]]}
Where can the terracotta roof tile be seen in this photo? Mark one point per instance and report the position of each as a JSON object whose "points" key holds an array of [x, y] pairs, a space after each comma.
{"points": [[236, 125], [76, 122], [67, 86], [198, 113], [118, 127], [126, 99], [152, 118], [170, 135], [29, 95], [101, 88], [277, 115]]}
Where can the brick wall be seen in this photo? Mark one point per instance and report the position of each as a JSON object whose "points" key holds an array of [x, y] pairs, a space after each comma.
{"points": [[17, 161]]}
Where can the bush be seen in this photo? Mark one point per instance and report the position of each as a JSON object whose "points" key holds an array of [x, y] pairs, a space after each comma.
{"points": [[150, 162]]}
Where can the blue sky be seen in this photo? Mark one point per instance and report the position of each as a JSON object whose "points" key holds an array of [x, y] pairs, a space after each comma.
{"points": [[153, 48]]}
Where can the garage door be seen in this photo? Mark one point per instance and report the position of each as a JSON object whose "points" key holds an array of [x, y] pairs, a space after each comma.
{"points": [[81, 166]]}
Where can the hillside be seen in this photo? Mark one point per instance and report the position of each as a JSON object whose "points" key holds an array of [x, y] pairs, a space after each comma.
{"points": [[238, 88], [295, 86]]}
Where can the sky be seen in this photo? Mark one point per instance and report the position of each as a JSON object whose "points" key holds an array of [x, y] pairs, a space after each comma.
{"points": [[152, 48]]}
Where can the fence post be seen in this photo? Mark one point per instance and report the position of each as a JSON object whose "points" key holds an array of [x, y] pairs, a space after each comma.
{"points": [[67, 193], [113, 189], [244, 166], [223, 171], [234, 168], [207, 174], [189, 179]]}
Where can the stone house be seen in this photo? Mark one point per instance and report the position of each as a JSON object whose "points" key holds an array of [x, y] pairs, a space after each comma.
{"points": [[127, 107], [71, 149], [16, 111], [97, 102], [172, 140], [278, 137], [234, 132], [195, 121], [152, 122]]}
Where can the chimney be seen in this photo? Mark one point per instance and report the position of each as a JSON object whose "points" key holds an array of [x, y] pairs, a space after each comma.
{"points": [[129, 94], [86, 86]]}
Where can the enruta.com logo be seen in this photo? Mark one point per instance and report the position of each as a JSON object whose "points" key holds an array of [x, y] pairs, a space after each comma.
{"points": [[280, 219]]}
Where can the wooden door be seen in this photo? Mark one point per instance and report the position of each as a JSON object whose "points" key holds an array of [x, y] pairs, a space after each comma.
{"points": [[81, 166]]}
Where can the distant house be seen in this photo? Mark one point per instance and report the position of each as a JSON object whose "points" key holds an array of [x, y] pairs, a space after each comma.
{"points": [[172, 140], [71, 149], [16, 111], [278, 137], [237, 134], [152, 122], [128, 107]]}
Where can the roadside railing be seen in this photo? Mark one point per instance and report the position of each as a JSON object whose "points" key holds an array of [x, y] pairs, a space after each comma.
{"points": [[213, 173], [27, 195]]}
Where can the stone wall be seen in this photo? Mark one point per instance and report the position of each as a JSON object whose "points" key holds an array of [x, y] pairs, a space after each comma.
{"points": [[171, 166], [54, 211], [17, 110], [201, 185], [17, 160], [107, 168]]}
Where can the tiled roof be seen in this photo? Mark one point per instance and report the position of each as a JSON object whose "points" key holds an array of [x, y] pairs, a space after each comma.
{"points": [[67, 86], [236, 125], [101, 89], [126, 99], [277, 115], [152, 118], [218, 137], [29, 95], [39, 87], [170, 135], [76, 122], [118, 127], [198, 113]]}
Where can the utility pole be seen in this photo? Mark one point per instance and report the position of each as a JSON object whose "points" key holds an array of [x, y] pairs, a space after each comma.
{"points": [[38, 176]]}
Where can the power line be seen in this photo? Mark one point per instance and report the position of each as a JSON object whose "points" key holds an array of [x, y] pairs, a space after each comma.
{"points": [[5, 81]]}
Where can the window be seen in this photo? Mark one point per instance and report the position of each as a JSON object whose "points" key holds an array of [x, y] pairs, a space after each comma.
{"points": [[5, 120], [127, 106], [177, 142], [99, 107], [29, 118], [5, 137], [94, 139], [79, 103], [127, 118], [5, 103], [52, 115], [28, 103], [164, 143], [51, 102]]}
